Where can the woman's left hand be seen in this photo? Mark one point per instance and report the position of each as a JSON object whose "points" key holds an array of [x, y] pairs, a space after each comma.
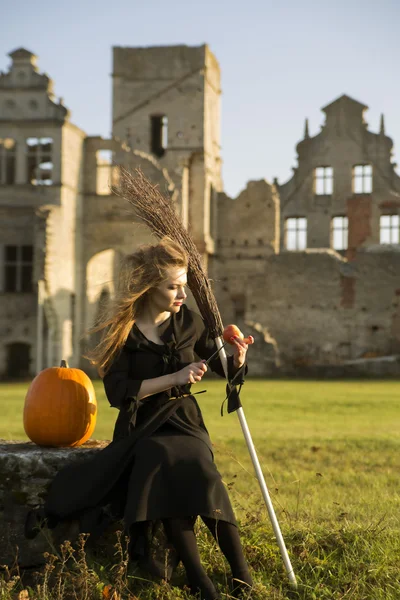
{"points": [[240, 351]]}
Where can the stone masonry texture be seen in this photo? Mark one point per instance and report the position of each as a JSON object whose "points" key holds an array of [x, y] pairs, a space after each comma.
{"points": [[310, 308]]}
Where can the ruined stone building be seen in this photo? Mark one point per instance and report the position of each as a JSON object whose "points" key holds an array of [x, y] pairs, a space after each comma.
{"points": [[311, 267]]}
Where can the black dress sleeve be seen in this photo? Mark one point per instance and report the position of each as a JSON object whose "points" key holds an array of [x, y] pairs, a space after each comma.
{"points": [[121, 390], [205, 347]]}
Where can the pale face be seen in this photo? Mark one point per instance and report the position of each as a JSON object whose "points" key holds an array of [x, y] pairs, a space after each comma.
{"points": [[170, 295]]}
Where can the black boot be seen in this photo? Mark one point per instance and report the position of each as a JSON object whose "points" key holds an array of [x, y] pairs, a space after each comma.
{"points": [[241, 585], [205, 590]]}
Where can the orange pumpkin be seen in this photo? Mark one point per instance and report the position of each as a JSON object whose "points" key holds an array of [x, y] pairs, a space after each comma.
{"points": [[60, 407]]}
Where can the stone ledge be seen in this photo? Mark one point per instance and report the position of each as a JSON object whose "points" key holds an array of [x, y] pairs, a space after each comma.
{"points": [[26, 471]]}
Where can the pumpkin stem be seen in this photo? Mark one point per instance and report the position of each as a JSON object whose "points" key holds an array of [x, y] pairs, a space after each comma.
{"points": [[64, 364]]}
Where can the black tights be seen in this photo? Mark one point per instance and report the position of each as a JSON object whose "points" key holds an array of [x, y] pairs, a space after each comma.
{"points": [[181, 534]]}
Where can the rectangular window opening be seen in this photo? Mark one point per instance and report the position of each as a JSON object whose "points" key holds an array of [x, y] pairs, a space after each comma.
{"points": [[323, 181], [239, 306], [107, 172], [340, 228], [18, 268], [296, 233], [8, 160], [159, 134], [362, 179], [104, 157], [40, 166], [390, 229]]}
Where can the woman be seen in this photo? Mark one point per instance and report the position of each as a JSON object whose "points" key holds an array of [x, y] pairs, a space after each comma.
{"points": [[158, 472]]}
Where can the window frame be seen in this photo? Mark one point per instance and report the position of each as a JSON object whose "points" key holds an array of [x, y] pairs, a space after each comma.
{"points": [[6, 155], [37, 152], [363, 177], [344, 231], [326, 179], [297, 230], [391, 228], [159, 134], [19, 264]]}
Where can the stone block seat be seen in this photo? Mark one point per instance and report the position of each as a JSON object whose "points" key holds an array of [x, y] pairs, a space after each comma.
{"points": [[26, 471]]}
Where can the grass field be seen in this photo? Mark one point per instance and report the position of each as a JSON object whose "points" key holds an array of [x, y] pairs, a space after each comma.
{"points": [[330, 452]]}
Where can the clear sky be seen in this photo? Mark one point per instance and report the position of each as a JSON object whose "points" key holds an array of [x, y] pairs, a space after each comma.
{"points": [[281, 61]]}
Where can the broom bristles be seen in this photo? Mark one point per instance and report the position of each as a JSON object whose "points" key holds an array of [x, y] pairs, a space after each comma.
{"points": [[158, 213]]}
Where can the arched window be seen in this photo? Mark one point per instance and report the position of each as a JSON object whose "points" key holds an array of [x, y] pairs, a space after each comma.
{"points": [[8, 148]]}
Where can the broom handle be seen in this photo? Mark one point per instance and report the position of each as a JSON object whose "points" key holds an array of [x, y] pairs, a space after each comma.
{"points": [[260, 476]]}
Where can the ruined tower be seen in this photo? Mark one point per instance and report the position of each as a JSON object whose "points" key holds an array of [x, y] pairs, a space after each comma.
{"points": [[166, 103]]}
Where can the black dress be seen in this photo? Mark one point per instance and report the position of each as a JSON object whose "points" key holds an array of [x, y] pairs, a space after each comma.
{"points": [[160, 463]]}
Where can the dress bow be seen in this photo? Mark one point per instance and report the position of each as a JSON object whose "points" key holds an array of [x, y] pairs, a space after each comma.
{"points": [[171, 357]]}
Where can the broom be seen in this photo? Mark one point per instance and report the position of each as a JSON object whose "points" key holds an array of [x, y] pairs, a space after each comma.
{"points": [[158, 213]]}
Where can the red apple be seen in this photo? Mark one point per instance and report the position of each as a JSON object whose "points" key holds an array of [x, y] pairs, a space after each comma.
{"points": [[231, 331]]}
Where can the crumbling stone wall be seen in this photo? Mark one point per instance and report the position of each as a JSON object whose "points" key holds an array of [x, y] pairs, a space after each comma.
{"points": [[247, 233], [318, 306], [321, 309], [79, 229]]}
